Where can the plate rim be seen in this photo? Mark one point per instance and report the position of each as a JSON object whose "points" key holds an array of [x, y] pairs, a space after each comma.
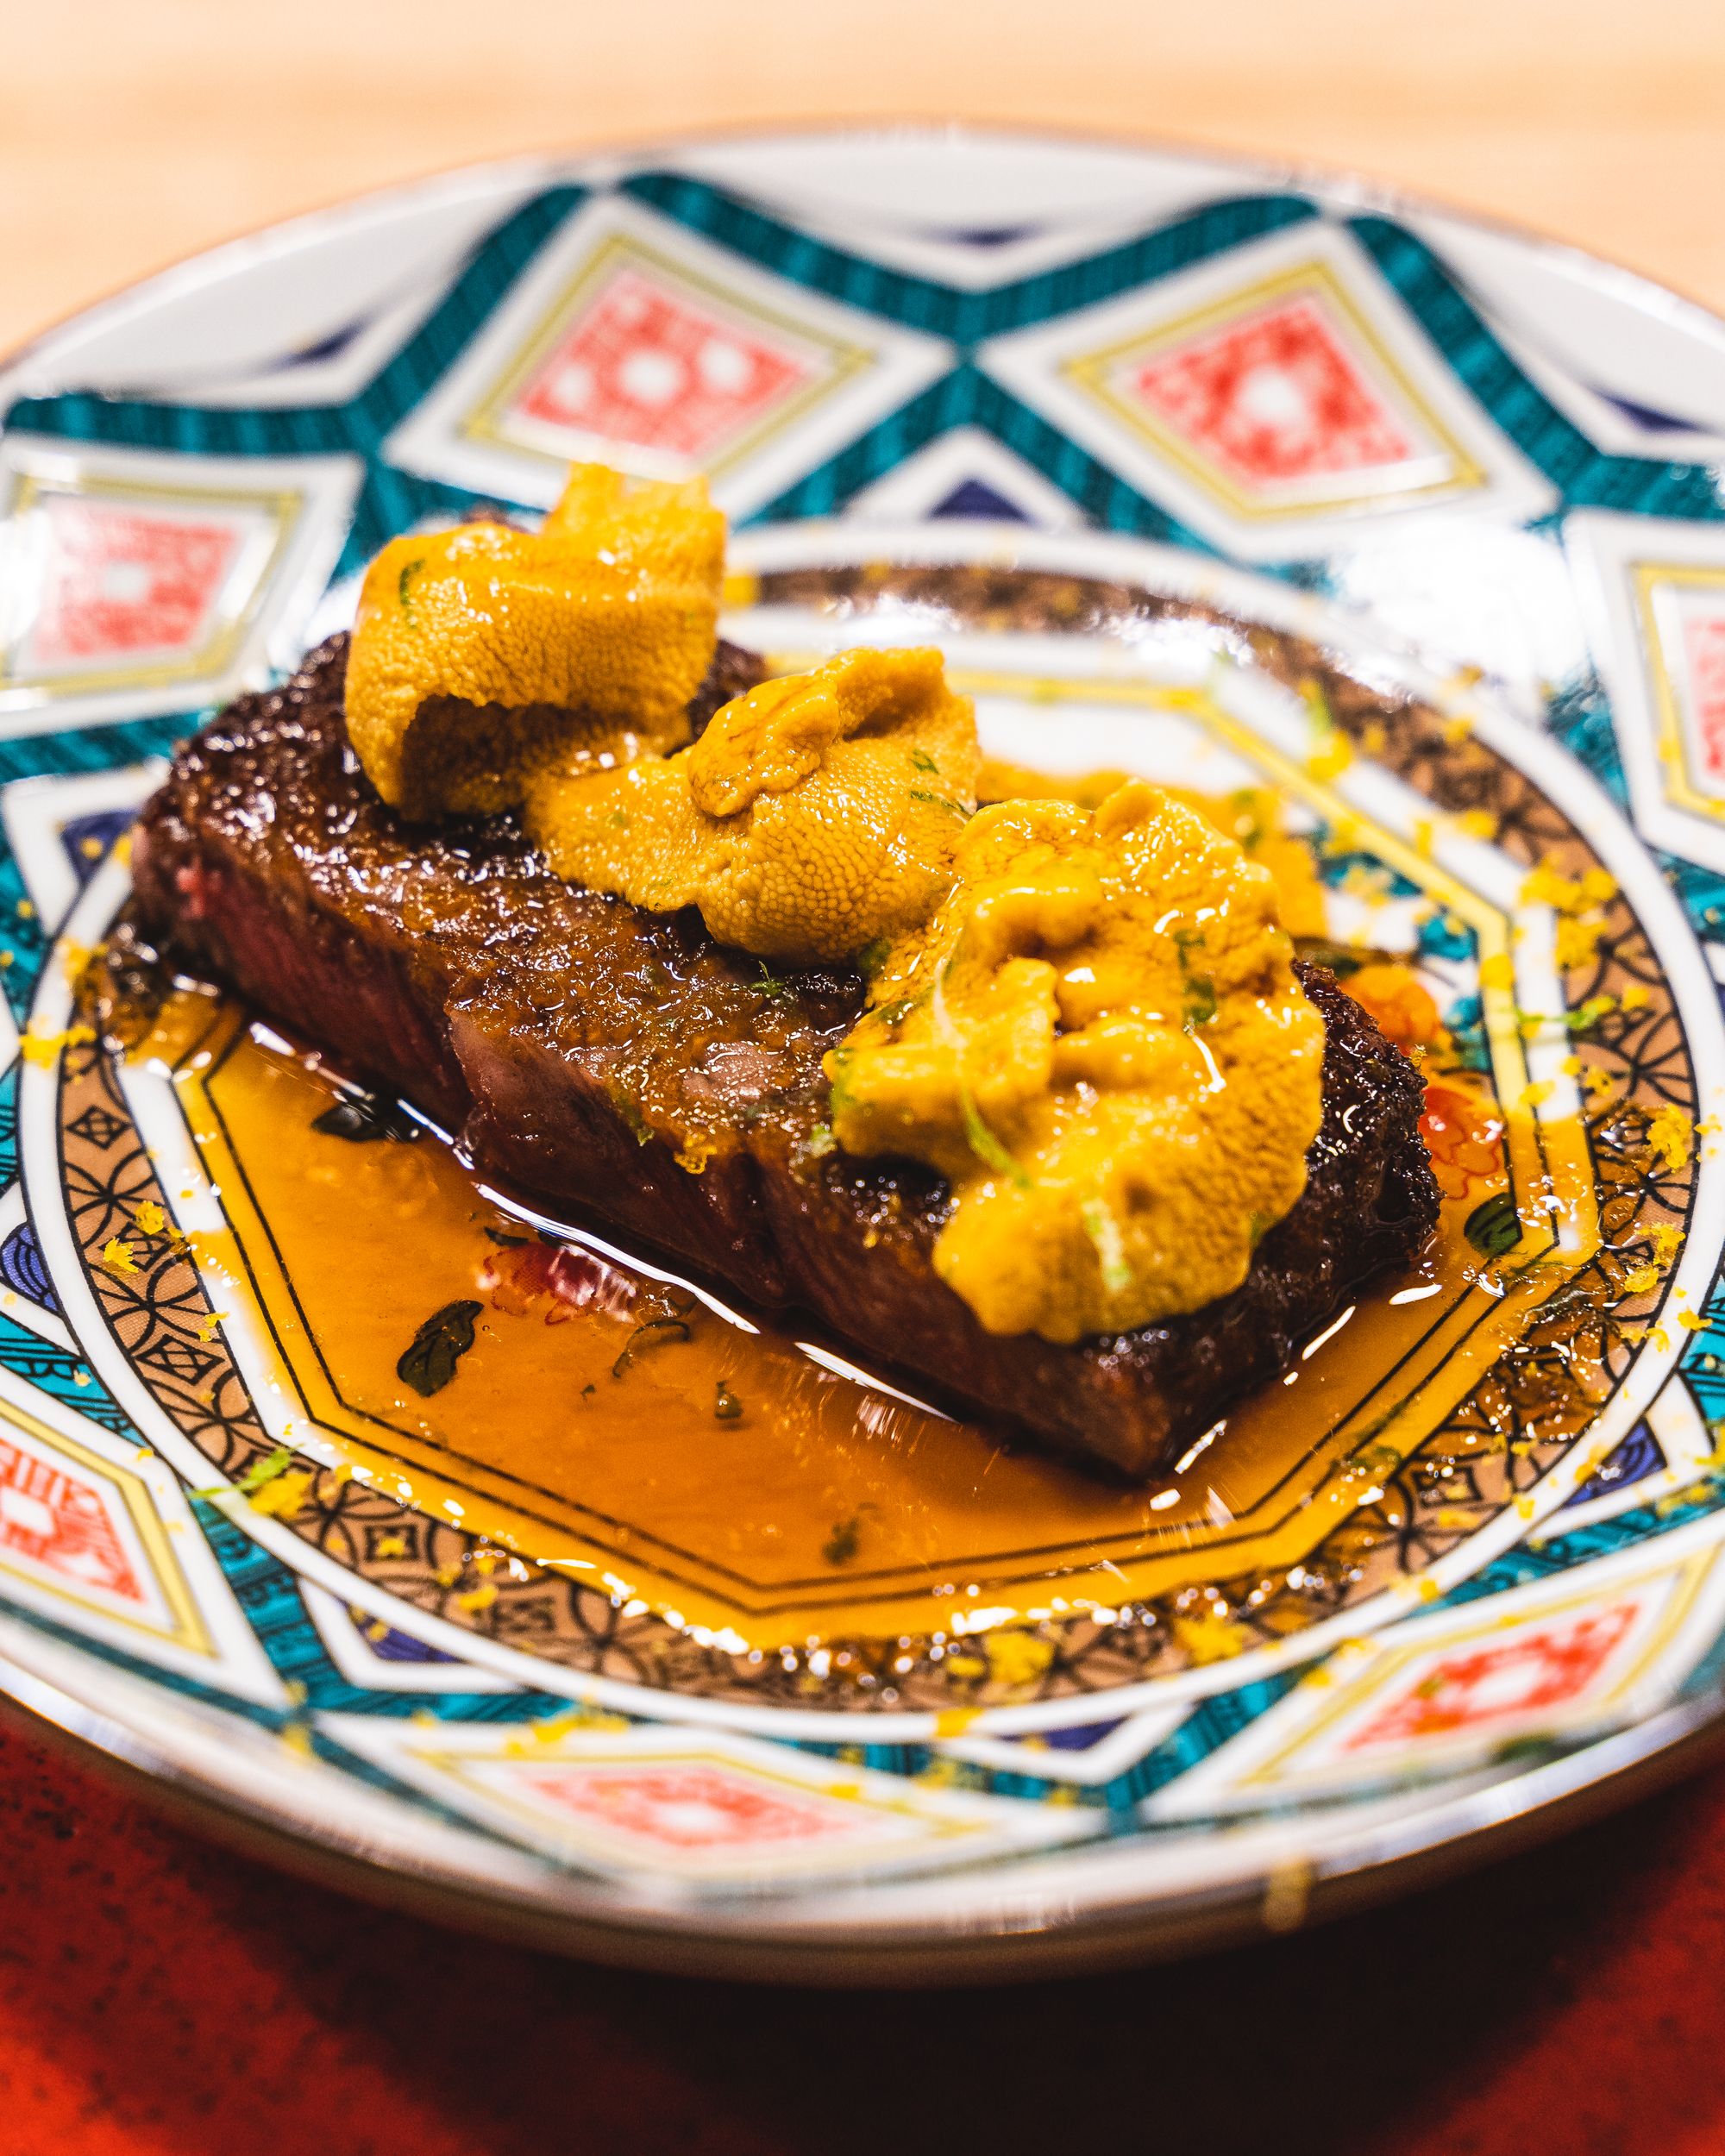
{"points": [[1640, 288], [1428, 1843], [1424, 1849]]}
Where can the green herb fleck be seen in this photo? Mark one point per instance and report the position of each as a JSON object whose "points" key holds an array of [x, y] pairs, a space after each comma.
{"points": [[840, 1546], [1586, 1016], [1517, 1750], [980, 1139], [1104, 1230], [1494, 1228], [839, 1090], [409, 570], [873, 957], [1312, 696], [429, 1363], [940, 801], [820, 1140], [256, 1477], [726, 1406], [895, 1014], [1201, 1000], [652, 1332], [982, 1142], [265, 1470], [924, 761], [629, 1109], [1248, 823], [1340, 961], [1201, 990]]}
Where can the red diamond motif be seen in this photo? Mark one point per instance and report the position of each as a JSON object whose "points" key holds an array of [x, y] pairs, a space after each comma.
{"points": [[60, 1523], [691, 1806], [646, 365], [1550, 1665], [118, 582], [1274, 395], [1703, 638]]}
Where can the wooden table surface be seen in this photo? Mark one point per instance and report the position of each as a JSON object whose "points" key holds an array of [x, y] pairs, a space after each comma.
{"points": [[130, 135], [158, 1998]]}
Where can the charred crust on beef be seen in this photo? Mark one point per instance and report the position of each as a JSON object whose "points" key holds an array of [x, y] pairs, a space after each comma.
{"points": [[568, 1038], [733, 672]]}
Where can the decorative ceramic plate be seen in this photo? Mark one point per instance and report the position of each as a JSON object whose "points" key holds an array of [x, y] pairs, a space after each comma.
{"points": [[1239, 484]]}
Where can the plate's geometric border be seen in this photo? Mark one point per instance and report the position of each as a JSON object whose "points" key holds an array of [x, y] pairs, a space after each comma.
{"points": [[1622, 564], [861, 367], [1669, 1588], [30, 486], [965, 472], [293, 512], [1429, 1511], [1064, 369], [1585, 475]]}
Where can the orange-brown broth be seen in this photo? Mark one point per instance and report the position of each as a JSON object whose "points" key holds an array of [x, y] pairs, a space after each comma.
{"points": [[820, 1480]]}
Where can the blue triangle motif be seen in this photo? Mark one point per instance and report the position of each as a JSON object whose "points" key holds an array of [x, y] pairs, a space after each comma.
{"points": [[975, 498]]}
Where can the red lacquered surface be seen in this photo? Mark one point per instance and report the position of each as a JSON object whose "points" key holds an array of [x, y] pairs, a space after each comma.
{"points": [[161, 1997]]}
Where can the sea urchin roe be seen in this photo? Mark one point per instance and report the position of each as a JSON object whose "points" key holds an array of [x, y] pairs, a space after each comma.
{"points": [[1099, 1039], [483, 655], [816, 814], [1254, 815]]}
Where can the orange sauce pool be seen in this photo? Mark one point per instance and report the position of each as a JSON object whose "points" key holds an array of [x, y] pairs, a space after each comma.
{"points": [[731, 1471]]}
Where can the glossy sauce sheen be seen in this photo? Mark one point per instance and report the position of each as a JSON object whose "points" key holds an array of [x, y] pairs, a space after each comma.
{"points": [[711, 1464]]}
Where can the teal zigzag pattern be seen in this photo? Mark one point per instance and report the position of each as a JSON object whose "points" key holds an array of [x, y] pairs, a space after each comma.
{"points": [[391, 499]]}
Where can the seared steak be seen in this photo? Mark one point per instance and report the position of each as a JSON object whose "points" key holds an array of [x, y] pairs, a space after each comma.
{"points": [[591, 1053]]}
